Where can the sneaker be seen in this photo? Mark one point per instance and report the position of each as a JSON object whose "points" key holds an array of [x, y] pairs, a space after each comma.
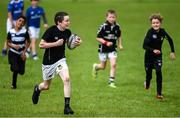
{"points": [[145, 86], [35, 96], [94, 71], [68, 110], [160, 97], [35, 58], [27, 54], [13, 87], [4, 52], [112, 84]]}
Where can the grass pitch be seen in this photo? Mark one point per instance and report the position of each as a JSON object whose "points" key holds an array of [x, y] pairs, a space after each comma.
{"points": [[92, 97]]}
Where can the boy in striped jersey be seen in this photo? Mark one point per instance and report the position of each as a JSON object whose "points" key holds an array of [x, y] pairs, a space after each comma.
{"points": [[108, 34], [15, 10], [18, 41]]}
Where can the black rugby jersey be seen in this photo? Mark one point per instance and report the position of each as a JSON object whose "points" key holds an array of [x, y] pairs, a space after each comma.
{"points": [[18, 38], [110, 33], [54, 54], [154, 40]]}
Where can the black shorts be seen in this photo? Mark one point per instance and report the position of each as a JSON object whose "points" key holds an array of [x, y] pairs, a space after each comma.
{"points": [[16, 63], [153, 63]]}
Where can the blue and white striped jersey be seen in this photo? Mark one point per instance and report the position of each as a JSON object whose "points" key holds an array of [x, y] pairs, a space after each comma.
{"points": [[18, 38]]}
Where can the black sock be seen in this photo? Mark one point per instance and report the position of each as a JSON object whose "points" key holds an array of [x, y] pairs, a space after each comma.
{"points": [[67, 101], [14, 80]]}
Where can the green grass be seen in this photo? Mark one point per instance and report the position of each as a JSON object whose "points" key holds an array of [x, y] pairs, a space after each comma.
{"points": [[92, 97]]}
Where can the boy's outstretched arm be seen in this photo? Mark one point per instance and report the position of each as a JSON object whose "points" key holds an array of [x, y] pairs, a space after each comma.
{"points": [[172, 53], [45, 21], [120, 43], [43, 44]]}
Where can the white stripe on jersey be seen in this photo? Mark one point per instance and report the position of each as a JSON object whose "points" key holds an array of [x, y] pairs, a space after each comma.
{"points": [[101, 26], [23, 30], [18, 38]]}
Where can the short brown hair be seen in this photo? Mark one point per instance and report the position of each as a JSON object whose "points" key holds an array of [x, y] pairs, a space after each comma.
{"points": [[59, 17], [156, 16], [110, 11]]}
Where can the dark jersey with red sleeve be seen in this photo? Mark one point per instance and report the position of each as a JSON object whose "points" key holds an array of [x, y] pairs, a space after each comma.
{"points": [[109, 33]]}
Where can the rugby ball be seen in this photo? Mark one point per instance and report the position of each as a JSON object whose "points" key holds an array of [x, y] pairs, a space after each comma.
{"points": [[71, 41]]}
